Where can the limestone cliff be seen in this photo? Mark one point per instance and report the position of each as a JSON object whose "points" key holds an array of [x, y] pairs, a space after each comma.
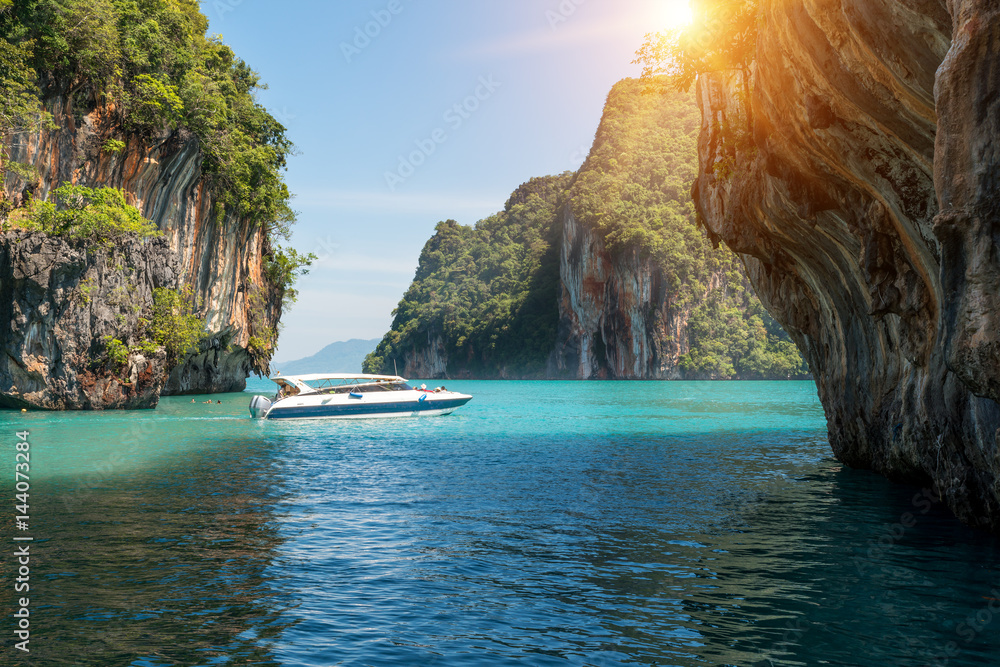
{"points": [[64, 305], [865, 209], [163, 176], [426, 361], [617, 319]]}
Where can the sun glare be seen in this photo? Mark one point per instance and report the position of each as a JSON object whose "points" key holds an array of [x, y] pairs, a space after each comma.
{"points": [[674, 14]]}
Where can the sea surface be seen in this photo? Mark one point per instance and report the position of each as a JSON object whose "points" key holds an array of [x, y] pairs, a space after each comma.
{"points": [[545, 523]]}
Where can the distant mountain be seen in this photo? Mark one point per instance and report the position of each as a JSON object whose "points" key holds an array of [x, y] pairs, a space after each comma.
{"points": [[339, 357]]}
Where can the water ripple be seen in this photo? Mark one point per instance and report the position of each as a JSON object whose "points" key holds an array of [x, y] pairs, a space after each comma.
{"points": [[544, 524]]}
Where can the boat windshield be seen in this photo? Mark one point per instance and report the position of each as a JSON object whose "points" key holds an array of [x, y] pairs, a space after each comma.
{"points": [[363, 387], [294, 385], [285, 389]]}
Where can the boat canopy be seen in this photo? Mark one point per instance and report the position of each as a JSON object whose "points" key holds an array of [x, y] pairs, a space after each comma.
{"points": [[316, 381]]}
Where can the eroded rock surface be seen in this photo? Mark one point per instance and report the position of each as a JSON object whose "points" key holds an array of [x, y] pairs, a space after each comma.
{"points": [[430, 361], [865, 209], [617, 319], [61, 305]]}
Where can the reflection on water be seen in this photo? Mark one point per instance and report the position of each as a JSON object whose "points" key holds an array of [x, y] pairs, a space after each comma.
{"points": [[578, 526], [168, 564]]}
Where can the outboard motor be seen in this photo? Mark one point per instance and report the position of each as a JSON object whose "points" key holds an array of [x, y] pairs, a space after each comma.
{"points": [[259, 405]]}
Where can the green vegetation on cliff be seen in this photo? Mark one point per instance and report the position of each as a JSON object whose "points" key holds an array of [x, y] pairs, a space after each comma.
{"points": [[151, 61], [20, 108], [732, 336], [102, 221], [98, 216], [487, 292], [634, 187], [174, 322], [721, 40], [170, 323], [150, 66], [488, 295]]}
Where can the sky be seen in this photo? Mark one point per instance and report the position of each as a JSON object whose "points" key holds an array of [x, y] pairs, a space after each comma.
{"points": [[408, 113]]}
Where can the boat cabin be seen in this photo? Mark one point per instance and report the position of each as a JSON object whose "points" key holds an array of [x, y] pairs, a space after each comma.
{"points": [[293, 385]]}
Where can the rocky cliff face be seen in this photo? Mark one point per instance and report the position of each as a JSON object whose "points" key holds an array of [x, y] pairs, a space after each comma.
{"points": [[430, 361], [64, 305], [616, 317], [865, 209], [222, 262]]}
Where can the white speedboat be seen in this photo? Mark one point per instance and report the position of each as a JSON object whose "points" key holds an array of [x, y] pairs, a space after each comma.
{"points": [[352, 395]]}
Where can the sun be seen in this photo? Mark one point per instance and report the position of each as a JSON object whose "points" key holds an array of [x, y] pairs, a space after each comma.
{"points": [[673, 14]]}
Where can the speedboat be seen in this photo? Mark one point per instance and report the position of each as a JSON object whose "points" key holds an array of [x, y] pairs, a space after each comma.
{"points": [[353, 395]]}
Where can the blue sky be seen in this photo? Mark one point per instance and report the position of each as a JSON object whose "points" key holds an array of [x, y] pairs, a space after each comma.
{"points": [[407, 113]]}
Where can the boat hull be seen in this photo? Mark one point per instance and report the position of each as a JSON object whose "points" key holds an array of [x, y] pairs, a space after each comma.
{"points": [[361, 409]]}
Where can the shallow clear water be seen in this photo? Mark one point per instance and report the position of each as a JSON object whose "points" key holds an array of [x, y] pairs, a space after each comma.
{"points": [[545, 523]]}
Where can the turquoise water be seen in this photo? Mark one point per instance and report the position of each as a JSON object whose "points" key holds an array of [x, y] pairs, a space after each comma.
{"points": [[545, 523]]}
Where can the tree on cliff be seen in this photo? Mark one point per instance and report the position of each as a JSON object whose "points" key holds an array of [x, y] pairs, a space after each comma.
{"points": [[721, 38], [20, 108], [94, 216]]}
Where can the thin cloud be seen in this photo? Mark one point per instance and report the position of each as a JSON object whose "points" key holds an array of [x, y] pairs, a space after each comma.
{"points": [[575, 31], [387, 202], [376, 265]]}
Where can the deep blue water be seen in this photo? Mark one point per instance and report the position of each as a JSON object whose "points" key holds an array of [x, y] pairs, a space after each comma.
{"points": [[545, 523]]}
